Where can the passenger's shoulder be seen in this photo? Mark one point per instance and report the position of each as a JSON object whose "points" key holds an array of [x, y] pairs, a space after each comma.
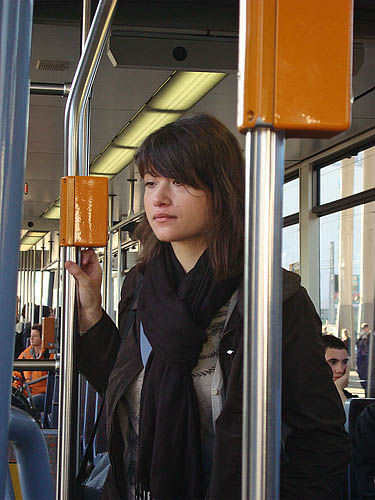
{"points": [[130, 283], [291, 284]]}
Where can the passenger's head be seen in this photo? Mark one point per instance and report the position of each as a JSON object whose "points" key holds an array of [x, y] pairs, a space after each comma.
{"points": [[36, 335], [364, 327], [344, 333], [336, 355], [200, 153]]}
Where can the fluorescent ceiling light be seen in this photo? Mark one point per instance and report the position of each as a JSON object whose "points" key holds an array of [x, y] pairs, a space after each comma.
{"points": [[30, 239], [178, 94], [53, 211]]}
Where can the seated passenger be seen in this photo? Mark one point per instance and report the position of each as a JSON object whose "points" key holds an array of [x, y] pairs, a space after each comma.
{"points": [[337, 357], [35, 351]]}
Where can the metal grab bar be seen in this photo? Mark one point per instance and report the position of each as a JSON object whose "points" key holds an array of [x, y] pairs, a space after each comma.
{"points": [[32, 456], [47, 365], [59, 89], [74, 157]]}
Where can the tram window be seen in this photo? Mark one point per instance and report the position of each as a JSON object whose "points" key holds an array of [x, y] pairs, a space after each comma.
{"points": [[347, 176], [291, 197], [347, 272], [46, 286], [290, 248]]}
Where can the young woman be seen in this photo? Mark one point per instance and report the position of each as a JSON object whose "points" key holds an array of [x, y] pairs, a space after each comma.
{"points": [[173, 377]]}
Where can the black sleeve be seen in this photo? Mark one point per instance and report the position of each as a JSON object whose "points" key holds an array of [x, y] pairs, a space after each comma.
{"points": [[98, 347], [317, 448], [363, 459]]}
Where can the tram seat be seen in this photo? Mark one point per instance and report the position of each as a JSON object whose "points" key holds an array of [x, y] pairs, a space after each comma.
{"points": [[47, 415], [353, 407], [55, 403]]}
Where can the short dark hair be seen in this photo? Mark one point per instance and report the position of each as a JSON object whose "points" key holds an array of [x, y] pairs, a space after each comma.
{"points": [[201, 152], [38, 327], [332, 342]]}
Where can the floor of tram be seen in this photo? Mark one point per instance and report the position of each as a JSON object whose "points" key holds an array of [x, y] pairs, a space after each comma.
{"points": [[354, 384]]}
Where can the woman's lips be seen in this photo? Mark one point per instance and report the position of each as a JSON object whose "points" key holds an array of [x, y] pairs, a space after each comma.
{"points": [[163, 217]]}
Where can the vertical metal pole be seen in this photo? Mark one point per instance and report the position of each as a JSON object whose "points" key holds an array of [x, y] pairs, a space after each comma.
{"points": [[19, 286], [108, 262], [109, 281], [50, 250], [22, 292], [24, 285], [131, 196], [28, 305], [30, 284], [119, 275], [33, 287], [331, 309], [30, 287], [84, 125], [58, 301], [78, 96], [262, 315], [86, 22], [15, 29], [41, 282]]}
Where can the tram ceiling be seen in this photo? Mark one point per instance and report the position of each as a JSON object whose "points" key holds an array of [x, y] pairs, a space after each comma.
{"points": [[217, 15], [120, 92]]}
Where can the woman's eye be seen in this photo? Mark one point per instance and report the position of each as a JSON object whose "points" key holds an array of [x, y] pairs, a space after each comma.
{"points": [[177, 183], [149, 184]]}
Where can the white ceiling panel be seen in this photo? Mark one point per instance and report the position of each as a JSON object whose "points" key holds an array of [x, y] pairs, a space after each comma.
{"points": [[42, 191], [54, 42], [33, 209], [46, 129], [46, 166]]}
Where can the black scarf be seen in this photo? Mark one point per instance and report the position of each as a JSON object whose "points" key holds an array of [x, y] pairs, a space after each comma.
{"points": [[175, 309]]}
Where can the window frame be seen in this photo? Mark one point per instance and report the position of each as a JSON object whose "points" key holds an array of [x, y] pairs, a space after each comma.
{"points": [[353, 200]]}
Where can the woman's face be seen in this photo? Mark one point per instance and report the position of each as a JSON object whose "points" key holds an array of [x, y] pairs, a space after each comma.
{"points": [[176, 212]]}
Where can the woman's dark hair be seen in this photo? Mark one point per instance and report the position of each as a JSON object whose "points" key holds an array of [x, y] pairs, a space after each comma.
{"points": [[201, 152]]}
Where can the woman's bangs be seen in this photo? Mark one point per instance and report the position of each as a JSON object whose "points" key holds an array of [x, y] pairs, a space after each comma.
{"points": [[163, 161]]}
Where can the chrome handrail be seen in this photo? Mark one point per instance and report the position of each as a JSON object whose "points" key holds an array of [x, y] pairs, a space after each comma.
{"points": [[48, 365], [74, 157]]}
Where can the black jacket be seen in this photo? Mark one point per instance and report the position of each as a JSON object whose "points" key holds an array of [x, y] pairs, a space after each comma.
{"points": [[363, 460], [316, 449]]}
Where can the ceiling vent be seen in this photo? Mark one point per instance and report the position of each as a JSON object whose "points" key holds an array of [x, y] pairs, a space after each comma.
{"points": [[45, 65]]}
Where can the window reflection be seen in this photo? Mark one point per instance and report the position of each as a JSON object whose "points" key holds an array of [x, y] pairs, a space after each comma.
{"points": [[290, 248]]}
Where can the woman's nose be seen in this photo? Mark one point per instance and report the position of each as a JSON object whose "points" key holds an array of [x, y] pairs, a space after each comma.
{"points": [[161, 196]]}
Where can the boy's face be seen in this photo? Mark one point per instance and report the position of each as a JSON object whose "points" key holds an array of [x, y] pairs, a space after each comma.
{"points": [[338, 361], [35, 339]]}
